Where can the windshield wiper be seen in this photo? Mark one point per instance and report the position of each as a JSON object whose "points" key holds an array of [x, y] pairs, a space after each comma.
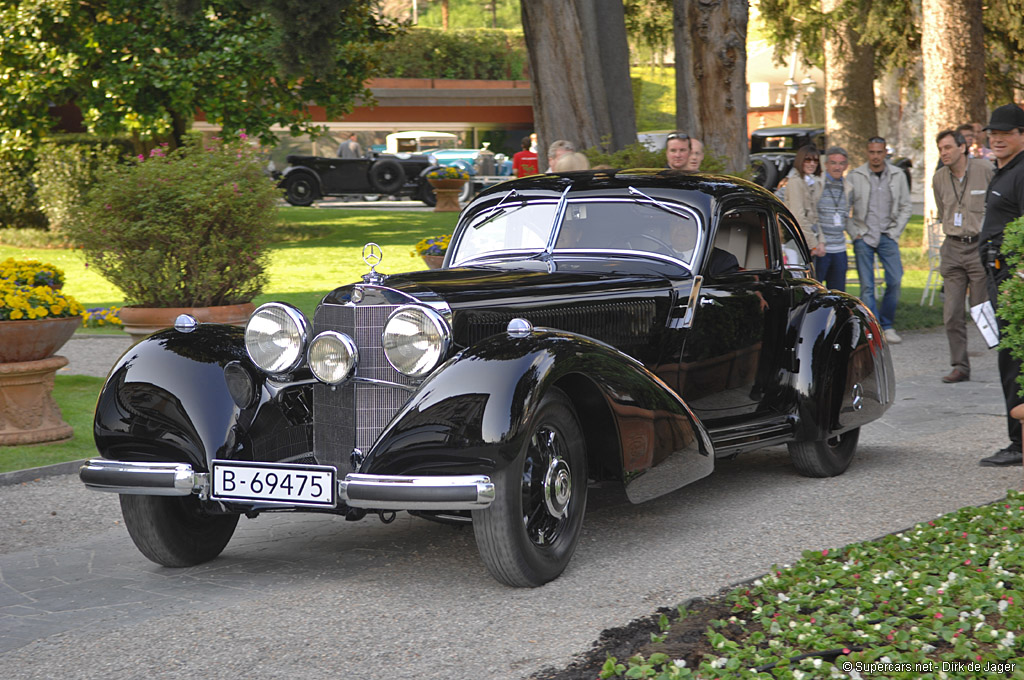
{"points": [[634, 192], [498, 211]]}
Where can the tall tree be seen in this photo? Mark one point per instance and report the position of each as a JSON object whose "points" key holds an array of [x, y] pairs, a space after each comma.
{"points": [[952, 47], [143, 67], [849, 81], [579, 66], [711, 81]]}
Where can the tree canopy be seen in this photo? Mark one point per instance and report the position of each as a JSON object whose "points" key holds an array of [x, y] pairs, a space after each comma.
{"points": [[145, 66]]}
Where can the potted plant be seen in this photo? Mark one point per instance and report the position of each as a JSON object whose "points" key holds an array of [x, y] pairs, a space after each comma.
{"points": [[183, 231], [447, 182], [432, 250], [36, 319]]}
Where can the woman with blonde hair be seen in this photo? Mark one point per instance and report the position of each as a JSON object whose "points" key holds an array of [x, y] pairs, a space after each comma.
{"points": [[570, 162], [803, 191]]}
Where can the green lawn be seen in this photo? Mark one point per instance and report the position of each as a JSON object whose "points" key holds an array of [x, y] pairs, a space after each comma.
{"points": [[76, 396], [318, 249]]}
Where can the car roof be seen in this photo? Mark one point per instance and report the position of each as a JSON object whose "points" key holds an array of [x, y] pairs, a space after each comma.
{"points": [[783, 130], [697, 188]]}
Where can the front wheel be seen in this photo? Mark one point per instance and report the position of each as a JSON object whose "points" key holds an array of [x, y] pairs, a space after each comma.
{"points": [[826, 457], [175, 531], [529, 533], [299, 189]]}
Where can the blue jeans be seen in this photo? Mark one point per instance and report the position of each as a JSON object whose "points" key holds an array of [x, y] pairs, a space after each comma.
{"points": [[888, 252], [830, 269]]}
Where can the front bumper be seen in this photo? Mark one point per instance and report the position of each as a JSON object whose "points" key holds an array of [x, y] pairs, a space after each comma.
{"points": [[379, 492]]}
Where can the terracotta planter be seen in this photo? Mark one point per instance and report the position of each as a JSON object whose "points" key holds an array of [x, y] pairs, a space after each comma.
{"points": [[433, 261], [36, 339], [140, 322], [28, 413], [447, 192]]}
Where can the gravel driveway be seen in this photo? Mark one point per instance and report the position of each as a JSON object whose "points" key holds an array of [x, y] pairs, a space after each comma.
{"points": [[306, 595]]}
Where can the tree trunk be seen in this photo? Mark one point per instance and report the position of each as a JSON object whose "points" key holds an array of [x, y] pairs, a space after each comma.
{"points": [[444, 15], [579, 71], [952, 46], [711, 83], [849, 86]]}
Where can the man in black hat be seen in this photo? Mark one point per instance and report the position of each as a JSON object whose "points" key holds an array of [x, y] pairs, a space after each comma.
{"points": [[1004, 203]]}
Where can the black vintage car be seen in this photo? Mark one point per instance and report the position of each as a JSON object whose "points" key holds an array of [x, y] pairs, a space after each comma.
{"points": [[773, 150], [308, 178], [623, 327]]}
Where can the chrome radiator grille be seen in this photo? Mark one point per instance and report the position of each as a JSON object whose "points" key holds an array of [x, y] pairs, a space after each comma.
{"points": [[354, 414]]}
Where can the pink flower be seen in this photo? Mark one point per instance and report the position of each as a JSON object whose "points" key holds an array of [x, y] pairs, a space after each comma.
{"points": [[967, 561], [824, 553], [938, 615], [846, 650]]}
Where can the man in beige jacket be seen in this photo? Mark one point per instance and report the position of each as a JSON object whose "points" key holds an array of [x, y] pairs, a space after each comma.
{"points": [[959, 187], [880, 198]]}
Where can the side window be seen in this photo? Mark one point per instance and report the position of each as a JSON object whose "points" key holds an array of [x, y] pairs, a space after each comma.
{"points": [[792, 253], [743, 234]]}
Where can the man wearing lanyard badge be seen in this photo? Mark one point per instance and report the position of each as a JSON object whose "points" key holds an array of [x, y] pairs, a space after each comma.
{"points": [[959, 187]]}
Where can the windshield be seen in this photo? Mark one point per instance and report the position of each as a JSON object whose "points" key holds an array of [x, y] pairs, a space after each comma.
{"points": [[513, 226], [669, 230]]}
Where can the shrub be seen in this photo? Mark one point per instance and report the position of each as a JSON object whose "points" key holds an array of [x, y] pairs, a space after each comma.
{"points": [[187, 228], [1011, 294], [19, 207], [65, 172], [485, 54]]}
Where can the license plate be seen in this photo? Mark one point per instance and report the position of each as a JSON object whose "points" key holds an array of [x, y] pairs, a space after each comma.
{"points": [[283, 483]]}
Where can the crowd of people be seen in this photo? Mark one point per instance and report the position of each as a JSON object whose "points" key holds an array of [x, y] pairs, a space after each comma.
{"points": [[978, 189]]}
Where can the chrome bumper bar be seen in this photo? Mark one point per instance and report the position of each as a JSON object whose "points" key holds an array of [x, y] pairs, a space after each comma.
{"points": [[379, 492], [463, 492], [150, 479]]}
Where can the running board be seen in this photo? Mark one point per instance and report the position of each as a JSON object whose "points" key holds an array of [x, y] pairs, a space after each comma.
{"points": [[729, 441]]}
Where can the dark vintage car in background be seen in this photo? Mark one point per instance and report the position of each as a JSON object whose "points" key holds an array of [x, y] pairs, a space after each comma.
{"points": [[773, 150], [308, 178], [626, 327]]}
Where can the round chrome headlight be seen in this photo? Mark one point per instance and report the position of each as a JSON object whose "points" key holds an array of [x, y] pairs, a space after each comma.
{"points": [[415, 340], [275, 337], [332, 357]]}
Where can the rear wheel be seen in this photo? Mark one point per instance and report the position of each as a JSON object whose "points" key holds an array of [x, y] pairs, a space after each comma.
{"points": [[175, 531], [300, 189], [426, 193], [386, 176], [765, 173], [529, 533], [826, 457]]}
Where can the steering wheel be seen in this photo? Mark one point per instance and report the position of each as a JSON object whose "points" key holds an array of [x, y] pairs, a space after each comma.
{"points": [[663, 248]]}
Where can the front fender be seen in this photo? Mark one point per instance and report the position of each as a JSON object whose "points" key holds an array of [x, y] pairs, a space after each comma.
{"points": [[473, 414], [167, 400]]}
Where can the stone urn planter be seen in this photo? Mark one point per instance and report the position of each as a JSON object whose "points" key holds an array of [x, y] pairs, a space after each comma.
{"points": [[140, 322], [28, 412], [447, 192], [433, 261]]}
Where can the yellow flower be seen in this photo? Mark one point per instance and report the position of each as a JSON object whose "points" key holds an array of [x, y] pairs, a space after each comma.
{"points": [[16, 314]]}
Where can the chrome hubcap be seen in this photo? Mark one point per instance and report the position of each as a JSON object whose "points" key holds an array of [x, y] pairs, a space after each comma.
{"points": [[557, 487]]}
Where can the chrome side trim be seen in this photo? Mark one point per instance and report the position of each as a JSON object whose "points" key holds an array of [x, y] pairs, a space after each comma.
{"points": [[463, 492], [148, 479]]}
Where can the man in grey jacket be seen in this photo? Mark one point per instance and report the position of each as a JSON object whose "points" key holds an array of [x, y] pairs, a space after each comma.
{"points": [[880, 199]]}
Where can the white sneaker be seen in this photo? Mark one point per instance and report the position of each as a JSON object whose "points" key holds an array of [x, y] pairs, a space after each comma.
{"points": [[891, 336]]}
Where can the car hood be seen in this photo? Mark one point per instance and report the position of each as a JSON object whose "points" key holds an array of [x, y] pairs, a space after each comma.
{"points": [[621, 309]]}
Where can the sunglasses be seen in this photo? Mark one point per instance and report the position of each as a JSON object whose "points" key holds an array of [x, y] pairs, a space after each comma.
{"points": [[876, 140], [677, 135], [810, 160]]}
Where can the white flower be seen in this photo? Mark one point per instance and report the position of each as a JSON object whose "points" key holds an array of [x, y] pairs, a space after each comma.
{"points": [[1003, 604], [719, 662], [927, 649], [854, 675], [855, 612], [782, 597], [798, 675], [885, 659], [680, 663], [817, 663]]}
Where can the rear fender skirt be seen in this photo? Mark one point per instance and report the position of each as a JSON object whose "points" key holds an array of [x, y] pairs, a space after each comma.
{"points": [[845, 377], [472, 414]]}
